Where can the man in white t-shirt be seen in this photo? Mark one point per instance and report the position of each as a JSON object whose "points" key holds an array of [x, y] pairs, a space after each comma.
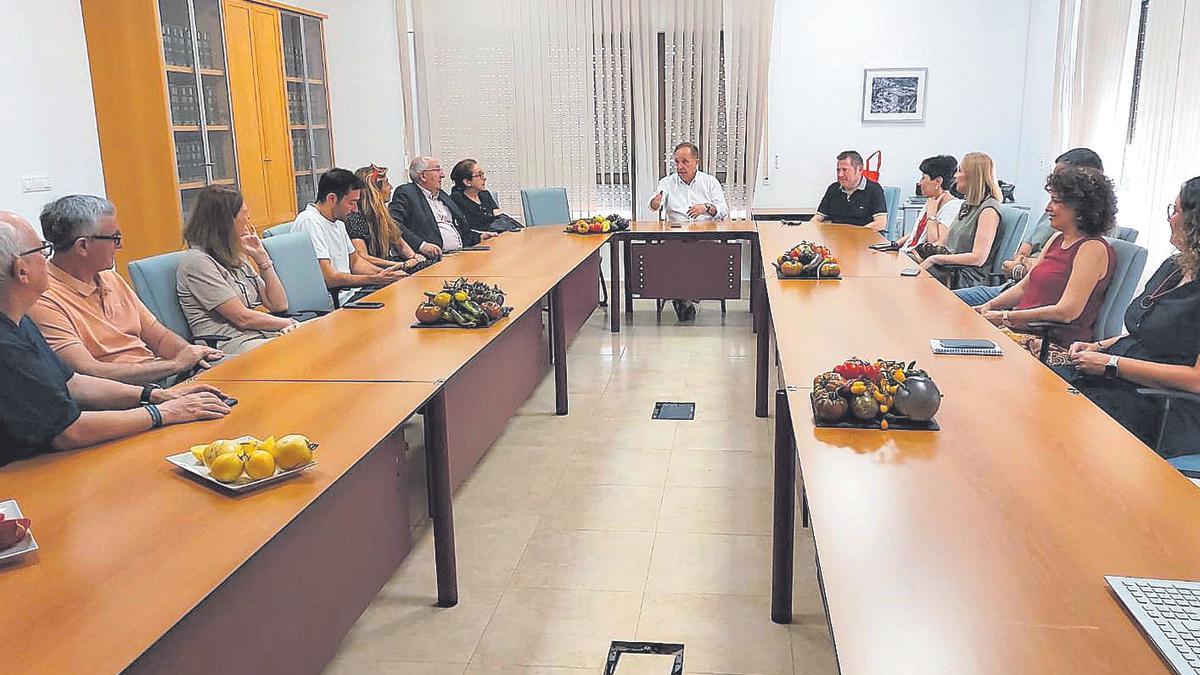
{"points": [[337, 197], [689, 194]]}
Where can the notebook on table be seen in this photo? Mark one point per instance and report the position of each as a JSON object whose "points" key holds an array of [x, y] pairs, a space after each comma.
{"points": [[965, 347]]}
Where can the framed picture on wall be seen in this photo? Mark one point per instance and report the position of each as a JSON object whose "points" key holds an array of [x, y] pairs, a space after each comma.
{"points": [[894, 94]]}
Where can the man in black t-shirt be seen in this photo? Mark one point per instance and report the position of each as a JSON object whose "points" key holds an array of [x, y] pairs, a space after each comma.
{"points": [[853, 199], [46, 406]]}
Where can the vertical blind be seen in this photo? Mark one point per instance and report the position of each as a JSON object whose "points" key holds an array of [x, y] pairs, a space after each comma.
{"points": [[592, 95], [1096, 56]]}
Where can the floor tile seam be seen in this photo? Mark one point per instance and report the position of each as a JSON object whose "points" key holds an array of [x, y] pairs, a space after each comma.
{"points": [[653, 546], [508, 586]]}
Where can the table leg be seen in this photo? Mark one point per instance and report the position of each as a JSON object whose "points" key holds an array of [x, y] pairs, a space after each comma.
{"points": [[784, 519], [558, 332], [755, 275], [627, 261], [615, 294], [441, 499], [762, 357]]}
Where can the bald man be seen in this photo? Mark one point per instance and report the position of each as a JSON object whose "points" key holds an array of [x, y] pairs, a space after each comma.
{"points": [[431, 221], [44, 404]]}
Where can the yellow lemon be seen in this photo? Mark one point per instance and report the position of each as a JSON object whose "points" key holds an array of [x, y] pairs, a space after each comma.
{"points": [[198, 452], [216, 449], [227, 467], [292, 451], [260, 465], [247, 445], [268, 445]]}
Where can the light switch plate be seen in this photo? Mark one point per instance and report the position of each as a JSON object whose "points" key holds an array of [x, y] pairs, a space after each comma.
{"points": [[36, 184]]}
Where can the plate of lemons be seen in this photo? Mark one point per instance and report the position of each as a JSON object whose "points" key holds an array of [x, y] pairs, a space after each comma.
{"points": [[246, 463]]}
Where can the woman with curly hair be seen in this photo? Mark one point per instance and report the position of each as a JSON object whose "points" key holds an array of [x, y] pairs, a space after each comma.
{"points": [[1068, 282], [1162, 348]]}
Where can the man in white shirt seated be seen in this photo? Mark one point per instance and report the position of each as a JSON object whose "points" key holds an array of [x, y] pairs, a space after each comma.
{"points": [[338, 191], [689, 194]]}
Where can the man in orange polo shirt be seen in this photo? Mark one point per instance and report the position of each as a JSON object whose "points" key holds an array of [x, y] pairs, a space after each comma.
{"points": [[90, 316]]}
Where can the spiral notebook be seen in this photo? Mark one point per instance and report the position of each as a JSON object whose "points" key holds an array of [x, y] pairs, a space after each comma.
{"points": [[965, 347]]}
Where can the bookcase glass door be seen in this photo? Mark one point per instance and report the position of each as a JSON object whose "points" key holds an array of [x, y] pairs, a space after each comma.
{"points": [[198, 96], [308, 102]]}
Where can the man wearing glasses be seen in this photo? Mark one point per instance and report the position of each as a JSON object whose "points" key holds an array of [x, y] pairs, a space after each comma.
{"points": [[431, 222], [90, 316], [44, 404]]}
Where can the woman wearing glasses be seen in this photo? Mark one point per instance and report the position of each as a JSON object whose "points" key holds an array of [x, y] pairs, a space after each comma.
{"points": [[476, 203], [1162, 348], [226, 275], [375, 234]]}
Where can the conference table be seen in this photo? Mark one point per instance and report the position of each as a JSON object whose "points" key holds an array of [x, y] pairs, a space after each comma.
{"points": [[139, 566], [978, 548], [680, 274]]}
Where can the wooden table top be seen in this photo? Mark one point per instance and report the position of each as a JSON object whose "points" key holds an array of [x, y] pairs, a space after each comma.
{"points": [[982, 548], [848, 242], [819, 324], [699, 226], [533, 252], [379, 345], [128, 545]]}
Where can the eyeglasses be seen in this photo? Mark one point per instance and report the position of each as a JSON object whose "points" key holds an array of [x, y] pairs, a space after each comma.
{"points": [[46, 249], [1171, 210], [432, 168], [481, 174], [115, 238]]}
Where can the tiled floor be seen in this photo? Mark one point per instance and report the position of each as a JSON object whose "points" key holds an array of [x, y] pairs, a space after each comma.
{"points": [[620, 527]]}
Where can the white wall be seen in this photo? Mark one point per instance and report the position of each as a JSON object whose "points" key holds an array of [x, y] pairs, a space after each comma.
{"points": [[977, 98], [47, 117], [364, 83]]}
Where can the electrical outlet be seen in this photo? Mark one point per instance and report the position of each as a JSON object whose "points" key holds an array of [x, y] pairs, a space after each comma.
{"points": [[36, 184], [766, 180]]}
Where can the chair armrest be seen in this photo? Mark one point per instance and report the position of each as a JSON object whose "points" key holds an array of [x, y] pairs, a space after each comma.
{"points": [[1000, 277], [1178, 394], [954, 266], [209, 340], [1044, 326]]}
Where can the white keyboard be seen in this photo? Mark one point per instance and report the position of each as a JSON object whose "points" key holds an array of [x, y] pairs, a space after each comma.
{"points": [[1168, 613]]}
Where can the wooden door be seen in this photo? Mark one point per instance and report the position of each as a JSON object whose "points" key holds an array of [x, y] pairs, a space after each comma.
{"points": [[255, 54]]}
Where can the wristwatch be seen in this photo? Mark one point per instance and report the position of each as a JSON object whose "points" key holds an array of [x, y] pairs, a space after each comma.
{"points": [[147, 392], [1110, 368], [708, 207]]}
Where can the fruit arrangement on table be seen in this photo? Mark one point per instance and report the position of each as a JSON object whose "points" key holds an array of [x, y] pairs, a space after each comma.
{"points": [[598, 225], [880, 394], [12, 531], [807, 260], [463, 304], [246, 460]]}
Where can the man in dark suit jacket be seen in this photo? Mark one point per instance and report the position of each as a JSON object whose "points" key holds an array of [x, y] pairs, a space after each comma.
{"points": [[430, 221]]}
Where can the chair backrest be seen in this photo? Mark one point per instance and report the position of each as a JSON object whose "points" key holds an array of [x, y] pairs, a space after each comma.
{"points": [[299, 272], [282, 228], [1127, 273], [891, 197], [154, 282], [545, 206], [1010, 232], [1127, 234]]}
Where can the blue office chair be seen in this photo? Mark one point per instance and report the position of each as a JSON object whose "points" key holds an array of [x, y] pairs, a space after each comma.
{"points": [[891, 197], [545, 206], [300, 273], [1127, 234], [154, 282], [1127, 273], [282, 228], [548, 206]]}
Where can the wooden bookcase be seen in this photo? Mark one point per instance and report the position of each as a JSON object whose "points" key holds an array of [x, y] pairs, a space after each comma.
{"points": [[192, 93]]}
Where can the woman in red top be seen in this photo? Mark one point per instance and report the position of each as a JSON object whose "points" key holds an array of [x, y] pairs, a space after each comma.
{"points": [[1068, 282]]}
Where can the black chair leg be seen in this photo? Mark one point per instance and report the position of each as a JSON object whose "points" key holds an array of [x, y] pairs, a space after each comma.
{"points": [[658, 308], [1162, 423], [603, 290], [722, 307], [1044, 352]]}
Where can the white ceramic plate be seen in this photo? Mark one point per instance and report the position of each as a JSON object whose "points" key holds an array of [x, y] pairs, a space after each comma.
{"points": [[11, 510], [187, 462]]}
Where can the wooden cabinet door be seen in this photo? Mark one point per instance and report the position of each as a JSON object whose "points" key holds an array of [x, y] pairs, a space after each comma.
{"points": [[255, 55]]}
